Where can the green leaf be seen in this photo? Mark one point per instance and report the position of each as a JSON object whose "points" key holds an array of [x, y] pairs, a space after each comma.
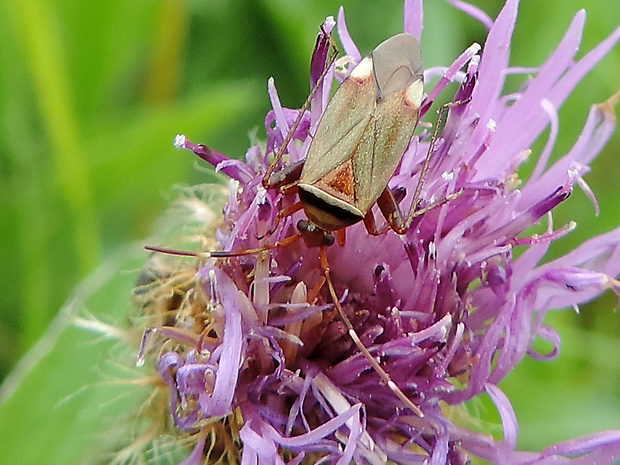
{"points": [[70, 396]]}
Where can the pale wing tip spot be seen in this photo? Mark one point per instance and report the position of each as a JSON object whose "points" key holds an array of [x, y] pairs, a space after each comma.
{"points": [[415, 93], [363, 70]]}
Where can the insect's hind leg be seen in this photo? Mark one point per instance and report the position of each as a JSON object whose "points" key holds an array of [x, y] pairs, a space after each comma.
{"points": [[388, 204]]}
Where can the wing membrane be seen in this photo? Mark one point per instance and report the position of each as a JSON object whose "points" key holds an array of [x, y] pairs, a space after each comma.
{"points": [[344, 122], [393, 124]]}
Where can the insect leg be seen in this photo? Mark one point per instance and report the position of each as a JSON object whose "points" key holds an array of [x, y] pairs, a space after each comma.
{"points": [[418, 190], [227, 254], [353, 335], [285, 177], [341, 237], [289, 136], [391, 211], [285, 180], [389, 205]]}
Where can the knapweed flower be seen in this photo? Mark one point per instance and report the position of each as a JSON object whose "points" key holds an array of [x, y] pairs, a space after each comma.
{"points": [[258, 363]]}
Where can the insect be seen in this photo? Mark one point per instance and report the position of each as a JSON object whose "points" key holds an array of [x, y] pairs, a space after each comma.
{"points": [[358, 145], [356, 149]]}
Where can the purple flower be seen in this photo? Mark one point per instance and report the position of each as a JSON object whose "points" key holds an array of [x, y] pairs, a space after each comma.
{"points": [[260, 365]]}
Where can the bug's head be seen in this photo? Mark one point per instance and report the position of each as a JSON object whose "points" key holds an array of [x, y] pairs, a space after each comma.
{"points": [[313, 235]]}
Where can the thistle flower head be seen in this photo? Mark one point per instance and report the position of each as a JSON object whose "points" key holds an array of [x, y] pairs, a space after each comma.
{"points": [[260, 365]]}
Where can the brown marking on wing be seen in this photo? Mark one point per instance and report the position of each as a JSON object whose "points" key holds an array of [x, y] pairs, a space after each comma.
{"points": [[342, 179]]}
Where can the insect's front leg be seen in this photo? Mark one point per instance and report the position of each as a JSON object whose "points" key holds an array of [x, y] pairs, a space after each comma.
{"points": [[385, 378], [286, 181], [288, 175], [329, 61]]}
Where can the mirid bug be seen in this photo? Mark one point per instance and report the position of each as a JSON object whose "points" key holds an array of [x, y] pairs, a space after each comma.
{"points": [[358, 144]]}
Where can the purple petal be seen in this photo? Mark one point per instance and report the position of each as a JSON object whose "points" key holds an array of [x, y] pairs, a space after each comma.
{"points": [[220, 401], [496, 158], [414, 18], [589, 444], [347, 42], [562, 89], [474, 12], [492, 69], [507, 414], [197, 455], [232, 168]]}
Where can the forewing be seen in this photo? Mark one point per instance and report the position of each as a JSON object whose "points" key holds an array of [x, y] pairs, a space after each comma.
{"points": [[343, 124], [398, 71], [390, 130]]}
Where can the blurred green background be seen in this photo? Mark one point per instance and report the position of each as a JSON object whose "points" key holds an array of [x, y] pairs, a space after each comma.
{"points": [[91, 96]]}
